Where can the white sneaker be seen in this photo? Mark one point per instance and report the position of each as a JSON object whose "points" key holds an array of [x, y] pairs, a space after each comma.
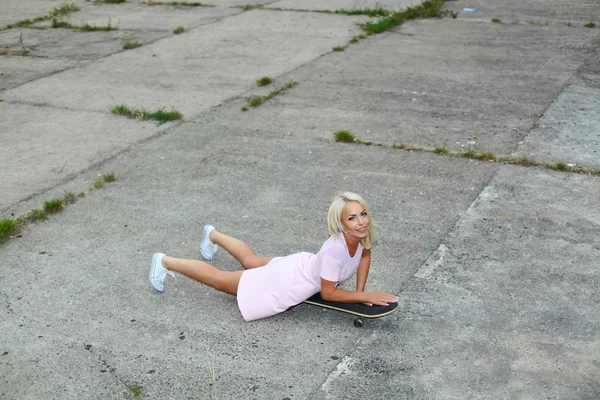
{"points": [[207, 248], [158, 273]]}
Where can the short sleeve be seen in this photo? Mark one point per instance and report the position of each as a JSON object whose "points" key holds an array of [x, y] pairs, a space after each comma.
{"points": [[331, 265]]}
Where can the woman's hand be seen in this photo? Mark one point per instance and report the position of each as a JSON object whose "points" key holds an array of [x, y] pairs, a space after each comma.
{"points": [[379, 298]]}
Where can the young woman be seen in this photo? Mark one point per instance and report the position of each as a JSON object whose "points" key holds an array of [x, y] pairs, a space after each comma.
{"points": [[270, 285]]}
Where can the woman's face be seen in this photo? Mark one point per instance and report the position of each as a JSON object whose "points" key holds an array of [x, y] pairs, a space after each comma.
{"points": [[355, 220]]}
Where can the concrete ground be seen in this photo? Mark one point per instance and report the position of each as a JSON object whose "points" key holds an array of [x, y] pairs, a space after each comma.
{"points": [[496, 266]]}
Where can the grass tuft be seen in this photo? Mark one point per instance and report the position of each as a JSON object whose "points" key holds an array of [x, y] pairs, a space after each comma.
{"points": [[8, 227], [589, 25], [98, 183], [255, 100], [60, 24], [249, 7], [560, 166], [131, 44], [110, 177], [264, 81], [338, 48], [53, 206], [135, 390], [36, 215], [69, 198], [427, 9], [377, 12], [177, 3], [441, 150], [244, 108], [111, 1], [496, 20], [63, 10], [178, 30], [161, 116], [93, 28], [344, 136]]}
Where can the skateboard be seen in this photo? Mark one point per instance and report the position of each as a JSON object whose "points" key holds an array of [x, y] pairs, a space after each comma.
{"points": [[360, 310]]}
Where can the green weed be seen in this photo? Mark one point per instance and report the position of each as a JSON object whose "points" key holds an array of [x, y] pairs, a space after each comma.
{"points": [[344, 136], [60, 24], [377, 12], [177, 3], [63, 10], [470, 153], [110, 177], [526, 161], [441, 150], [338, 48], [21, 43], [135, 390], [69, 198], [7, 228], [26, 23], [160, 115], [244, 108], [356, 38], [569, 24], [589, 25], [131, 44], [255, 101], [178, 30], [36, 215], [496, 20], [264, 81], [427, 9], [98, 183], [111, 1], [249, 7], [53, 206], [92, 28], [560, 165]]}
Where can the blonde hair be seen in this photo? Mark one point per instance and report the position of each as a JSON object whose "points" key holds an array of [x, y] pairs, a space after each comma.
{"points": [[334, 216]]}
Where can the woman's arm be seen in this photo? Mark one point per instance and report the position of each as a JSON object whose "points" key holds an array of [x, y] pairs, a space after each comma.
{"points": [[362, 273], [330, 292]]}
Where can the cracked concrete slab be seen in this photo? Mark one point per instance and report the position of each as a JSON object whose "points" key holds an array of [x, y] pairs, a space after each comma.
{"points": [[567, 132], [531, 12], [425, 196], [494, 264], [81, 48], [139, 17], [38, 361], [17, 70], [63, 143], [394, 5], [445, 82], [244, 48], [512, 303]]}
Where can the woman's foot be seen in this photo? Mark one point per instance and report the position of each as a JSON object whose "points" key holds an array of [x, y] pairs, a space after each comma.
{"points": [[207, 248], [158, 272]]}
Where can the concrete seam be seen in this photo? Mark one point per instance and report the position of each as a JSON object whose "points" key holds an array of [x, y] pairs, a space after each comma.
{"points": [[92, 166]]}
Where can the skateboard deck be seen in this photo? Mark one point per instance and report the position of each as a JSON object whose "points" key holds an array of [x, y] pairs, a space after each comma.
{"points": [[358, 309]]}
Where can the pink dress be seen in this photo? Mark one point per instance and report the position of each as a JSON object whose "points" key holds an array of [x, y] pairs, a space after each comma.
{"points": [[287, 281]]}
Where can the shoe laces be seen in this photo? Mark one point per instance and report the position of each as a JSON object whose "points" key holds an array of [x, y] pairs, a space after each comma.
{"points": [[164, 275]]}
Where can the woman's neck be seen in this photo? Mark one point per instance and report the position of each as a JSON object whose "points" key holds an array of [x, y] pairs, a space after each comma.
{"points": [[351, 243]]}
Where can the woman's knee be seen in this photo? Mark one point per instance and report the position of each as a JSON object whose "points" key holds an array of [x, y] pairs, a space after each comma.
{"points": [[250, 262]]}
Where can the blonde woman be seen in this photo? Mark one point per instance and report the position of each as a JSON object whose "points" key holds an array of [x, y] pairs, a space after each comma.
{"points": [[270, 285]]}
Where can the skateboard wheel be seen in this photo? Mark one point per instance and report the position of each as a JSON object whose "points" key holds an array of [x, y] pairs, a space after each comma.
{"points": [[358, 322]]}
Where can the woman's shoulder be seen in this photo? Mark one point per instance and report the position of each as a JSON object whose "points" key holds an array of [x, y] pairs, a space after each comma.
{"points": [[334, 246]]}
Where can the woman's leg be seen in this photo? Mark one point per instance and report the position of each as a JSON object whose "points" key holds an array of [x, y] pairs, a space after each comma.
{"points": [[238, 249], [225, 281]]}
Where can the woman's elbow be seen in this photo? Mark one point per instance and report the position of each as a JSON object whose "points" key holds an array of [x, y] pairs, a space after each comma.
{"points": [[327, 295]]}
